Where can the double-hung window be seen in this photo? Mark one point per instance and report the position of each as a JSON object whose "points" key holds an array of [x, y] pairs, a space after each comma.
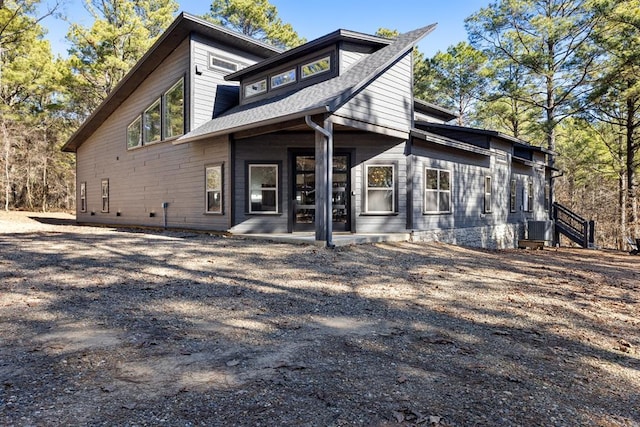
{"points": [[513, 197], [488, 194], [380, 192], [263, 188], [437, 191], [105, 195], [83, 197], [214, 189]]}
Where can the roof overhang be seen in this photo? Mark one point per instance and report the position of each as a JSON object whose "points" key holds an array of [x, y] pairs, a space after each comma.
{"points": [[314, 45], [433, 110], [448, 142], [180, 28]]}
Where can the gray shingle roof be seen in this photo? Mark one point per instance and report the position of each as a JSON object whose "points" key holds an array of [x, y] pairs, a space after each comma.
{"points": [[326, 96]]}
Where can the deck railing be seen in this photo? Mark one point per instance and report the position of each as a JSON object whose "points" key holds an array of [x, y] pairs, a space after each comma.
{"points": [[573, 226]]}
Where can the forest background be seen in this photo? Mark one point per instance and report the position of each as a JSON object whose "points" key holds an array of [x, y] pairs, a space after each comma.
{"points": [[562, 74]]}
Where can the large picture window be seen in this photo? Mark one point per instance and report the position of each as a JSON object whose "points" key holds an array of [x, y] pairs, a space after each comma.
{"points": [[151, 123], [105, 195], [488, 194], [214, 189], [380, 192], [174, 111], [437, 191], [263, 188]]}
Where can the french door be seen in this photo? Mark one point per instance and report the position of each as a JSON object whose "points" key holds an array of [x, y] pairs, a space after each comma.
{"points": [[304, 192]]}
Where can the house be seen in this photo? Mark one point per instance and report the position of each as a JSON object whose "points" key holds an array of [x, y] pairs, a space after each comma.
{"points": [[213, 130]]}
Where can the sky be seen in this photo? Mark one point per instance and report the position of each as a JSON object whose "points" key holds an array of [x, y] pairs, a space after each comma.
{"points": [[315, 19]]}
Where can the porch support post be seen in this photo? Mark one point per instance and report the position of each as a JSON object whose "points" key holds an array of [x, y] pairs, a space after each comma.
{"points": [[324, 180]]}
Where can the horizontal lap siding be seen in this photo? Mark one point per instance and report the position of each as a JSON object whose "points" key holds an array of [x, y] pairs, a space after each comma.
{"points": [[140, 180], [351, 53], [367, 148], [211, 92], [387, 101], [468, 171]]}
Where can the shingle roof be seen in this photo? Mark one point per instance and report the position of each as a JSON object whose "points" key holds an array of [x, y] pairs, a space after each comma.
{"points": [[326, 96]]}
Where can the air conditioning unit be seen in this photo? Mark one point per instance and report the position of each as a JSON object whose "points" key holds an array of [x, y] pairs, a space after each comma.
{"points": [[540, 230]]}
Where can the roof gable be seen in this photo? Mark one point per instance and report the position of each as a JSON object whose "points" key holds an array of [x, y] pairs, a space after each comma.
{"points": [[179, 29], [326, 96]]}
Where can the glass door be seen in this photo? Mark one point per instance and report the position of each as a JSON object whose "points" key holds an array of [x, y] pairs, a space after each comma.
{"points": [[304, 180]]}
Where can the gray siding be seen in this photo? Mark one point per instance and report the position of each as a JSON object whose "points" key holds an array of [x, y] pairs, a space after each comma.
{"points": [[211, 93], [387, 101], [350, 53], [140, 180], [367, 148]]}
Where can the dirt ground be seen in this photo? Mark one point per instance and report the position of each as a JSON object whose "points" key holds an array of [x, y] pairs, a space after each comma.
{"points": [[100, 326]]}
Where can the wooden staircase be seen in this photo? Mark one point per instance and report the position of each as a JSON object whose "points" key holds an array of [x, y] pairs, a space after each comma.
{"points": [[572, 226]]}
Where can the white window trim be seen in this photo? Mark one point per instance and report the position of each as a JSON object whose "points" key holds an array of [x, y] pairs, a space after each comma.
{"points": [[488, 208], [103, 196], [83, 197], [437, 191], [275, 189], [367, 188], [207, 189], [222, 58]]}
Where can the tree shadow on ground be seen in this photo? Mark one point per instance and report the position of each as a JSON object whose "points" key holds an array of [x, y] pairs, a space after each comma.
{"points": [[114, 327]]}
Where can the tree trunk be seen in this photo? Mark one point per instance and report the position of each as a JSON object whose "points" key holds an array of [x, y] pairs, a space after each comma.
{"points": [[7, 151], [622, 204], [632, 203]]}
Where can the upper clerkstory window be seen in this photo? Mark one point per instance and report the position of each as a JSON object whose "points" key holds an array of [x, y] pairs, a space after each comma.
{"points": [[255, 88], [283, 79], [174, 111], [163, 119], [151, 123], [316, 67], [134, 133], [220, 63]]}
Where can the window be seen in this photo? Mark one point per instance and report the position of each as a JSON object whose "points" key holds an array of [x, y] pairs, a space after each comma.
{"points": [[488, 191], [255, 88], [437, 191], [134, 133], [316, 67], [380, 193], [83, 197], [263, 188], [105, 195], [151, 123], [163, 119], [547, 196], [173, 124], [283, 79], [222, 63], [513, 195], [530, 195], [214, 189]]}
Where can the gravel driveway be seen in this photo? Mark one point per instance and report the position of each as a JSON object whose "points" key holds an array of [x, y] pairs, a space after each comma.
{"points": [[100, 326]]}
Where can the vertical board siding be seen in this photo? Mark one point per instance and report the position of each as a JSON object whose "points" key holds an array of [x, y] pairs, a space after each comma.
{"points": [[387, 101], [140, 180]]}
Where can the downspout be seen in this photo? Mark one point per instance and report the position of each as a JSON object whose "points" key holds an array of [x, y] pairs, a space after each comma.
{"points": [[328, 214]]}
